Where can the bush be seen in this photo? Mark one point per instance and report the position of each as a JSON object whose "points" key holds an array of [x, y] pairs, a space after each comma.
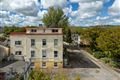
{"points": [[60, 77], [77, 77], [106, 60], [114, 64], [98, 55]]}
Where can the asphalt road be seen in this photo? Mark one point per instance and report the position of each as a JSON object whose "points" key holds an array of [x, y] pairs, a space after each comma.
{"points": [[79, 60], [88, 67]]}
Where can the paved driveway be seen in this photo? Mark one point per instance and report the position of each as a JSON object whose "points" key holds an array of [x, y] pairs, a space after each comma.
{"points": [[89, 68], [78, 60]]}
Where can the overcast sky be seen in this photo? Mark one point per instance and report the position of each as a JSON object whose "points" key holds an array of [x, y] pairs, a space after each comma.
{"points": [[80, 12]]}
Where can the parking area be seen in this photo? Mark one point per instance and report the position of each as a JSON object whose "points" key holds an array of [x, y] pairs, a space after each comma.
{"points": [[79, 60], [88, 67]]}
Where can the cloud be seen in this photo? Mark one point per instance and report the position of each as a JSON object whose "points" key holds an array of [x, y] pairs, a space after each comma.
{"points": [[13, 19], [32, 21], [115, 8], [41, 13], [30, 12], [26, 7], [4, 14], [82, 1], [57, 3], [116, 20], [85, 11], [102, 18]]}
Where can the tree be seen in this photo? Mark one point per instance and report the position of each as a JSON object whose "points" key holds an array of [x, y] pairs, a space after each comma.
{"points": [[55, 18], [91, 34], [109, 41], [9, 29], [68, 36]]}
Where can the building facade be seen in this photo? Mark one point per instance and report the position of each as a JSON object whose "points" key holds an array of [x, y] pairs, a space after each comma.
{"points": [[42, 46], [76, 39]]}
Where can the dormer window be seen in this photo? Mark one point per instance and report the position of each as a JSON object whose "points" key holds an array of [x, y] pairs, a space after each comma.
{"points": [[33, 30], [54, 30]]}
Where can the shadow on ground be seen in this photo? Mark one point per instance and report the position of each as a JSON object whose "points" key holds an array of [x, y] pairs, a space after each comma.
{"points": [[79, 60], [6, 63]]}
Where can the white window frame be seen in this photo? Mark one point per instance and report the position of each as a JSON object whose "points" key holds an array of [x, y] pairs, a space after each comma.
{"points": [[44, 66], [18, 53], [56, 66], [44, 41], [44, 52], [33, 30], [55, 42], [54, 54], [18, 43], [32, 42], [31, 53]]}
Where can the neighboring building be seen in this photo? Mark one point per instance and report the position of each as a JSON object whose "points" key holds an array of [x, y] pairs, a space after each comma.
{"points": [[42, 46], [76, 39]]}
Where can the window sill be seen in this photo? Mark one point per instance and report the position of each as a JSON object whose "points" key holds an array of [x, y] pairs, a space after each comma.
{"points": [[55, 67], [43, 67], [18, 45]]}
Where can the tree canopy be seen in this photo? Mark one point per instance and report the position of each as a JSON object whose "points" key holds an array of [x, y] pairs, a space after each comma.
{"points": [[55, 18], [109, 41]]}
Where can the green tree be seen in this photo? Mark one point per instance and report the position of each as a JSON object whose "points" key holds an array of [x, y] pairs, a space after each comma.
{"points": [[9, 29], [91, 34], [109, 42], [55, 18], [68, 36]]}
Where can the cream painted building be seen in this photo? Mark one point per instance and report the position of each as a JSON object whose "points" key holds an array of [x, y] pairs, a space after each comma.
{"points": [[42, 46]]}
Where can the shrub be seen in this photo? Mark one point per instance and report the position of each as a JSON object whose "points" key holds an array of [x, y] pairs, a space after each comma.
{"points": [[60, 77], [98, 55], [38, 75], [114, 64], [106, 60], [77, 77]]}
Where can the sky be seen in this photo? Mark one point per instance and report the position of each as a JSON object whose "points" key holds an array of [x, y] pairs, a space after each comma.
{"points": [[80, 12]]}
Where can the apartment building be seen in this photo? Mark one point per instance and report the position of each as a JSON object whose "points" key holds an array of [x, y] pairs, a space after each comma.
{"points": [[42, 46]]}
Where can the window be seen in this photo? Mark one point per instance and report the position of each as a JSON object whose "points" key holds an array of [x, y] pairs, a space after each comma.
{"points": [[55, 64], [43, 64], [54, 30], [55, 53], [32, 42], [18, 53], [44, 53], [17, 42], [32, 53], [44, 42], [33, 30], [55, 42]]}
